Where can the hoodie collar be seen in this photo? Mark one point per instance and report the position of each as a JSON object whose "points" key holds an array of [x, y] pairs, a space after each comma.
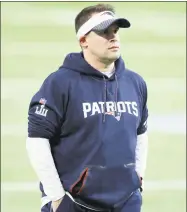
{"points": [[76, 62]]}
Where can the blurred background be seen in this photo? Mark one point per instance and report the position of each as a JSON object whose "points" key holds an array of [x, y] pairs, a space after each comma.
{"points": [[36, 36]]}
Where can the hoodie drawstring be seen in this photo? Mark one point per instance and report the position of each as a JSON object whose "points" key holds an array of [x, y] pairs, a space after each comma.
{"points": [[105, 96], [116, 93], [105, 92]]}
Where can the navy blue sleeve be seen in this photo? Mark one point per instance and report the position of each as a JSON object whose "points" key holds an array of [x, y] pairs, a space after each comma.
{"points": [[46, 110], [142, 128]]}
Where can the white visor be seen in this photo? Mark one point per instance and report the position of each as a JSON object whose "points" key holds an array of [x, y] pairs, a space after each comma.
{"points": [[100, 22]]}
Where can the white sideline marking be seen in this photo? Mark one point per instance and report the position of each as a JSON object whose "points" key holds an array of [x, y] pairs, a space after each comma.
{"points": [[10, 87], [161, 23], [54, 49], [148, 186], [165, 123], [173, 123]]}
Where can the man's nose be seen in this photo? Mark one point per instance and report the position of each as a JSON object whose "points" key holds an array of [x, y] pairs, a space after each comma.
{"points": [[113, 36]]}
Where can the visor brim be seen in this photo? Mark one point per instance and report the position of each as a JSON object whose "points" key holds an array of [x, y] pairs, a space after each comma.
{"points": [[121, 23]]}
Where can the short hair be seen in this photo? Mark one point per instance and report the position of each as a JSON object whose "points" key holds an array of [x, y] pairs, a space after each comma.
{"points": [[87, 12]]}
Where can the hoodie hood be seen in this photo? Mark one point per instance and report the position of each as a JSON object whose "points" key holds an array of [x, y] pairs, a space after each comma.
{"points": [[76, 62]]}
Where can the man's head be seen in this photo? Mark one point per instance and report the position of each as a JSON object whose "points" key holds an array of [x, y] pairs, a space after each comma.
{"points": [[97, 31]]}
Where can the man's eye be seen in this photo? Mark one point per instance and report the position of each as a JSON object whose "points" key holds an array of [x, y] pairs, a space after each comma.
{"points": [[116, 30], [105, 32]]}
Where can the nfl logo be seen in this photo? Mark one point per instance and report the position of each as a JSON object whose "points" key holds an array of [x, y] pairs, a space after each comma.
{"points": [[117, 116], [43, 101]]}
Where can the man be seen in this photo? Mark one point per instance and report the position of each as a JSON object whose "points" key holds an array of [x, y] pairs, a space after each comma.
{"points": [[87, 137]]}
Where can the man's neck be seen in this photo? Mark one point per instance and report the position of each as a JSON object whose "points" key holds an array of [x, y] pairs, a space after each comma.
{"points": [[99, 65]]}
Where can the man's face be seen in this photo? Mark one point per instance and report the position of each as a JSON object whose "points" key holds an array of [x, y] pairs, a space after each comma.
{"points": [[104, 45]]}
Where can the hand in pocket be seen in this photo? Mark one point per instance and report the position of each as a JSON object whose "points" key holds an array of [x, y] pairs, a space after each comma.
{"points": [[55, 204]]}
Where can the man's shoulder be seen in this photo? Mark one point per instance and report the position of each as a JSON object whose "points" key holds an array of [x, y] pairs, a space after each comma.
{"points": [[61, 75], [135, 76], [137, 80]]}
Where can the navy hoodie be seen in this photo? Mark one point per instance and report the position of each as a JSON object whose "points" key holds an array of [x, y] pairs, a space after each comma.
{"points": [[92, 123]]}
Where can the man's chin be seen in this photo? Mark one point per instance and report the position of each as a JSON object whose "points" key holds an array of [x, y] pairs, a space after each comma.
{"points": [[114, 56]]}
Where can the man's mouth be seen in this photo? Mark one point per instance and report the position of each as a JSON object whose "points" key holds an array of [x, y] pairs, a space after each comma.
{"points": [[114, 47]]}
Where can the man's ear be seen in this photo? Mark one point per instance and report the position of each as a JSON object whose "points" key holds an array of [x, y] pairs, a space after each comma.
{"points": [[83, 42]]}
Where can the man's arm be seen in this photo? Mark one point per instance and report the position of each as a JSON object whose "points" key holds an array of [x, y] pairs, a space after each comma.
{"points": [[44, 122], [141, 154], [39, 153], [142, 136]]}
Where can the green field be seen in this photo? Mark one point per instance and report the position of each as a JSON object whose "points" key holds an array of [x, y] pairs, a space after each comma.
{"points": [[35, 37]]}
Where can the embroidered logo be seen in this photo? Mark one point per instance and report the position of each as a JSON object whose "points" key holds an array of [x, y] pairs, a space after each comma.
{"points": [[41, 110]]}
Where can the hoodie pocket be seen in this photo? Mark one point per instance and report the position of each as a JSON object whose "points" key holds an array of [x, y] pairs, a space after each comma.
{"points": [[106, 186]]}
